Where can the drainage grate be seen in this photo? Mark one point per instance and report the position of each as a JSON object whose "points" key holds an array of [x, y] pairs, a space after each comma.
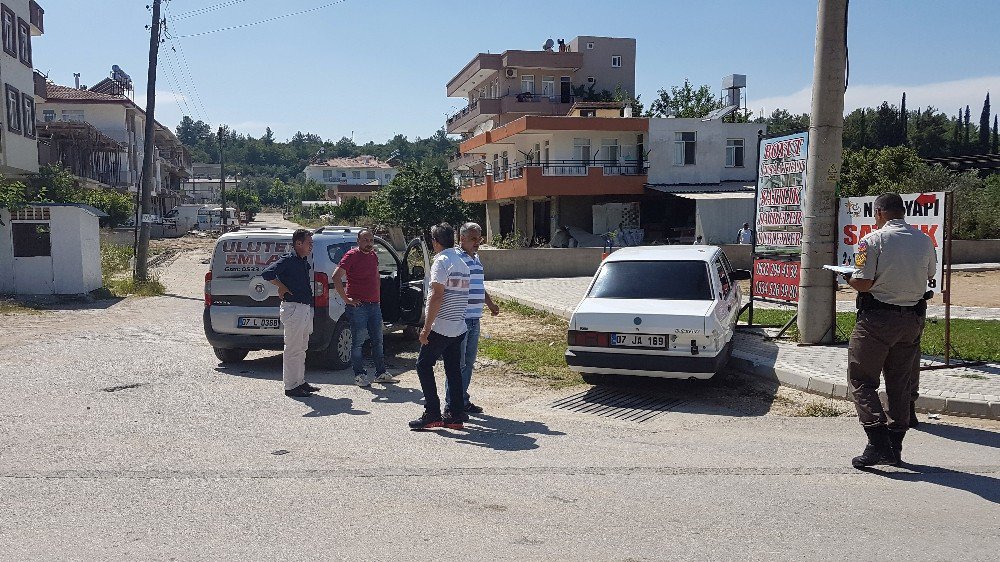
{"points": [[617, 404]]}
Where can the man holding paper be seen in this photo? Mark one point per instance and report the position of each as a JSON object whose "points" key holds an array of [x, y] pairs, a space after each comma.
{"points": [[893, 265]]}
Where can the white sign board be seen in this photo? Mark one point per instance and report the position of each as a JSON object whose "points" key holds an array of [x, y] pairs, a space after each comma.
{"points": [[925, 211]]}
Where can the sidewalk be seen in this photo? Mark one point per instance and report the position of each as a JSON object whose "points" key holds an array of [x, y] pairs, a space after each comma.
{"points": [[972, 391]]}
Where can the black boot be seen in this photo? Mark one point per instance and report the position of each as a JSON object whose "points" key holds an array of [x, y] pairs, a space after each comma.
{"points": [[914, 422], [877, 451], [896, 446]]}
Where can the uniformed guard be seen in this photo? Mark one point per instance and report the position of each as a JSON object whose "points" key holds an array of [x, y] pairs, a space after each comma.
{"points": [[894, 264]]}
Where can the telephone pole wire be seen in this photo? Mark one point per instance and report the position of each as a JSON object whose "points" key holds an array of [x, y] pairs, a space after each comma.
{"points": [[142, 251]]}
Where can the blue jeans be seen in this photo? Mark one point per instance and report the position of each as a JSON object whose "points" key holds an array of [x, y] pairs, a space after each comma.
{"points": [[364, 318], [470, 347]]}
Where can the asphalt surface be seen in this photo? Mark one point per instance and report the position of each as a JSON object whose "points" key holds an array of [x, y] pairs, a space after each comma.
{"points": [[121, 437]]}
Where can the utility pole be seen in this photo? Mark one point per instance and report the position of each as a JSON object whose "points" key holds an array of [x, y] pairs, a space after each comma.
{"points": [[142, 249], [817, 300], [222, 182]]}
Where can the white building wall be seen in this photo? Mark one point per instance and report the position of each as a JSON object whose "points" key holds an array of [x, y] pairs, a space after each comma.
{"points": [[710, 151], [315, 173], [561, 146], [20, 153], [67, 262], [718, 220]]}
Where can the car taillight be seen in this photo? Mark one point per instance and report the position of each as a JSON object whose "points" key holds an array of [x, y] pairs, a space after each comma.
{"points": [[321, 290], [208, 289], [587, 339]]}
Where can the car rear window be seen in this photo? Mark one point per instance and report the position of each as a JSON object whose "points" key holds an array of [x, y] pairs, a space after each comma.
{"points": [[662, 280], [337, 251]]}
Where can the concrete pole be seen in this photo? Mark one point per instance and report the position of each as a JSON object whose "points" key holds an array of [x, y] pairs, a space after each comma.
{"points": [[817, 288], [146, 187]]}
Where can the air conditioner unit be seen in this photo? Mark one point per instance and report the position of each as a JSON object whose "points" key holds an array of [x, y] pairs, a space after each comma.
{"points": [[511, 73]]}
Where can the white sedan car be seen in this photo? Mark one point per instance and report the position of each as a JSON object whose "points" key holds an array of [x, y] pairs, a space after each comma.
{"points": [[657, 311]]}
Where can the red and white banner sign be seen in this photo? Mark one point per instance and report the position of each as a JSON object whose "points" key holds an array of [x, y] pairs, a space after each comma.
{"points": [[776, 279], [925, 211], [781, 179]]}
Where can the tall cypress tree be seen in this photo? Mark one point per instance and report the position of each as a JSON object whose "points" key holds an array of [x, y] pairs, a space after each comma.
{"points": [[996, 139], [984, 126], [902, 121], [956, 135], [968, 130]]}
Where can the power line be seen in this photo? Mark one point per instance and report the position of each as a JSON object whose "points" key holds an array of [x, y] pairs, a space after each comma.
{"points": [[299, 13], [176, 85], [206, 9]]}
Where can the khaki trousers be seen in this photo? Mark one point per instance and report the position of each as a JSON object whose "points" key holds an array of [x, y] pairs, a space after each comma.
{"points": [[297, 321], [884, 342]]}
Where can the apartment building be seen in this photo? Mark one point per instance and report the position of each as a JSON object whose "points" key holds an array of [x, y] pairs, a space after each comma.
{"points": [[20, 21], [352, 177], [204, 186], [99, 133]]}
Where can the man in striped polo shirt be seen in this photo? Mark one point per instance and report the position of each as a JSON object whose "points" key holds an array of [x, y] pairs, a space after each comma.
{"points": [[470, 237], [444, 330]]}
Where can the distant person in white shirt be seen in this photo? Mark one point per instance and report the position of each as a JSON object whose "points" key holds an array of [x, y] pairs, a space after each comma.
{"points": [[745, 235]]}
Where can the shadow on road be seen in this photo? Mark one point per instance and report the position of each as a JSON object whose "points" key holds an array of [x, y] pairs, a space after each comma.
{"points": [[500, 434], [325, 406], [981, 485], [395, 394], [964, 434]]}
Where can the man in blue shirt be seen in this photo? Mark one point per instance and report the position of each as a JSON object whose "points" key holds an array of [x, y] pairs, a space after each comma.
{"points": [[290, 274]]}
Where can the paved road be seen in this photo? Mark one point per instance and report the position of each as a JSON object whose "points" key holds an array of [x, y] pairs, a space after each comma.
{"points": [[122, 438]]}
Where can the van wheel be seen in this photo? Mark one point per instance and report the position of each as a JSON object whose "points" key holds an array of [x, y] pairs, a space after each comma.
{"points": [[337, 355], [230, 355]]}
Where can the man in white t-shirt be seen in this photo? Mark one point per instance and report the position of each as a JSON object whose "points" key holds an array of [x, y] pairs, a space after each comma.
{"points": [[444, 331], [745, 235]]}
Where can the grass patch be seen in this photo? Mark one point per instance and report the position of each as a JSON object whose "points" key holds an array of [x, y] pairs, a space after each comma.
{"points": [[115, 259], [125, 286], [540, 354], [973, 340], [526, 311], [818, 410], [10, 306], [116, 272]]}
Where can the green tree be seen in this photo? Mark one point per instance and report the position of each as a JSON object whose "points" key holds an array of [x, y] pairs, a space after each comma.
{"points": [[13, 195], [901, 132], [191, 132], [984, 126], [857, 129], [685, 101], [885, 126], [929, 133], [871, 171], [996, 137], [419, 197], [248, 200], [967, 132], [781, 121]]}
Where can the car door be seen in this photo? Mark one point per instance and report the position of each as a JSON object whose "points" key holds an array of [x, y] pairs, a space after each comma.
{"points": [[414, 287], [728, 294], [390, 287]]}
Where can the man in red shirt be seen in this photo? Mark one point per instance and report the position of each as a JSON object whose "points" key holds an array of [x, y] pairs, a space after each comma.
{"points": [[361, 298]]}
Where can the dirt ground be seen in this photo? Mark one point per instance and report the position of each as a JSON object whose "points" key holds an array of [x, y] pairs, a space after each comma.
{"points": [[981, 288]]}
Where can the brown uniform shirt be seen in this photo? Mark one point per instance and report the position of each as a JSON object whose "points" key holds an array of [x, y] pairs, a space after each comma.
{"points": [[900, 259]]}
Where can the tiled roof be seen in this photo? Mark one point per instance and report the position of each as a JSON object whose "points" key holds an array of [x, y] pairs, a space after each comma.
{"points": [[57, 92], [356, 162]]}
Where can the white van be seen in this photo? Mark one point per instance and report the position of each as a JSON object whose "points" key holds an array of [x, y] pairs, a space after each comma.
{"points": [[657, 311], [185, 216], [241, 308], [210, 218]]}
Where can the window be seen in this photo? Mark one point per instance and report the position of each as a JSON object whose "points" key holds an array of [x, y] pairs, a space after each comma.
{"points": [[734, 153], [372, 175], [590, 45], [343, 174], [28, 115], [581, 150], [74, 115], [23, 42], [591, 80], [9, 31], [723, 278], [609, 150], [630, 280], [545, 153], [32, 239], [13, 108], [528, 83], [48, 115], [588, 113], [548, 86], [616, 61], [337, 251], [388, 177], [327, 175], [684, 144], [356, 174]]}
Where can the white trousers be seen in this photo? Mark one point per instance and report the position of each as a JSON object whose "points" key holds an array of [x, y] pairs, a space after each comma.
{"points": [[297, 321]]}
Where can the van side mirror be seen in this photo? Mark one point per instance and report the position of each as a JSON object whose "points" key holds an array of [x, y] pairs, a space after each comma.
{"points": [[740, 275], [417, 272]]}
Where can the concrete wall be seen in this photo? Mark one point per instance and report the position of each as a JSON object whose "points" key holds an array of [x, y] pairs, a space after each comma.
{"points": [[710, 151], [975, 251], [718, 220], [597, 62], [539, 263]]}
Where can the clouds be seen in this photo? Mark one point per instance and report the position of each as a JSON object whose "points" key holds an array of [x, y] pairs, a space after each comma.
{"points": [[945, 96]]}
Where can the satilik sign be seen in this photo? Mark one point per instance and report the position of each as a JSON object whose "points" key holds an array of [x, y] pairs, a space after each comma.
{"points": [[925, 211]]}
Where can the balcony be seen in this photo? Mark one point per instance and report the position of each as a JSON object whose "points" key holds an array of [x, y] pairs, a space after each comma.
{"points": [[469, 78], [460, 161], [471, 116], [554, 178], [543, 59], [36, 17]]}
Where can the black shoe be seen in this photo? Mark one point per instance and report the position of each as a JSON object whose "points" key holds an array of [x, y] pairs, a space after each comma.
{"points": [[914, 422], [878, 450], [298, 392], [426, 421], [896, 446], [309, 388], [447, 414], [473, 409], [452, 422]]}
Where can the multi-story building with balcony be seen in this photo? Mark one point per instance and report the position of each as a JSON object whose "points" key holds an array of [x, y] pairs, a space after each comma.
{"points": [[358, 177], [99, 134], [20, 21]]}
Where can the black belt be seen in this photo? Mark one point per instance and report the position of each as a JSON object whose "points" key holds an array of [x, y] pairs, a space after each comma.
{"points": [[866, 301]]}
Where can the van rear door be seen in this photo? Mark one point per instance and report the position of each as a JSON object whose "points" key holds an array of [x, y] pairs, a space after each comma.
{"points": [[242, 301]]}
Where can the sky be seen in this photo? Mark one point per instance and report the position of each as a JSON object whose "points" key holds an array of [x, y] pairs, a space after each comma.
{"points": [[369, 69]]}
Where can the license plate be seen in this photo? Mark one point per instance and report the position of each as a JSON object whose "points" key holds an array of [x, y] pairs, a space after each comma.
{"points": [[254, 322], [638, 340]]}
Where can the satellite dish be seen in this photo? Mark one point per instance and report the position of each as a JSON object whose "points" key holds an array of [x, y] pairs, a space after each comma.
{"points": [[548, 45]]}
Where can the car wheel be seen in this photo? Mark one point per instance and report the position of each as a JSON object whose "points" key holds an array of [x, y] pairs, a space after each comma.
{"points": [[230, 355], [338, 353]]}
